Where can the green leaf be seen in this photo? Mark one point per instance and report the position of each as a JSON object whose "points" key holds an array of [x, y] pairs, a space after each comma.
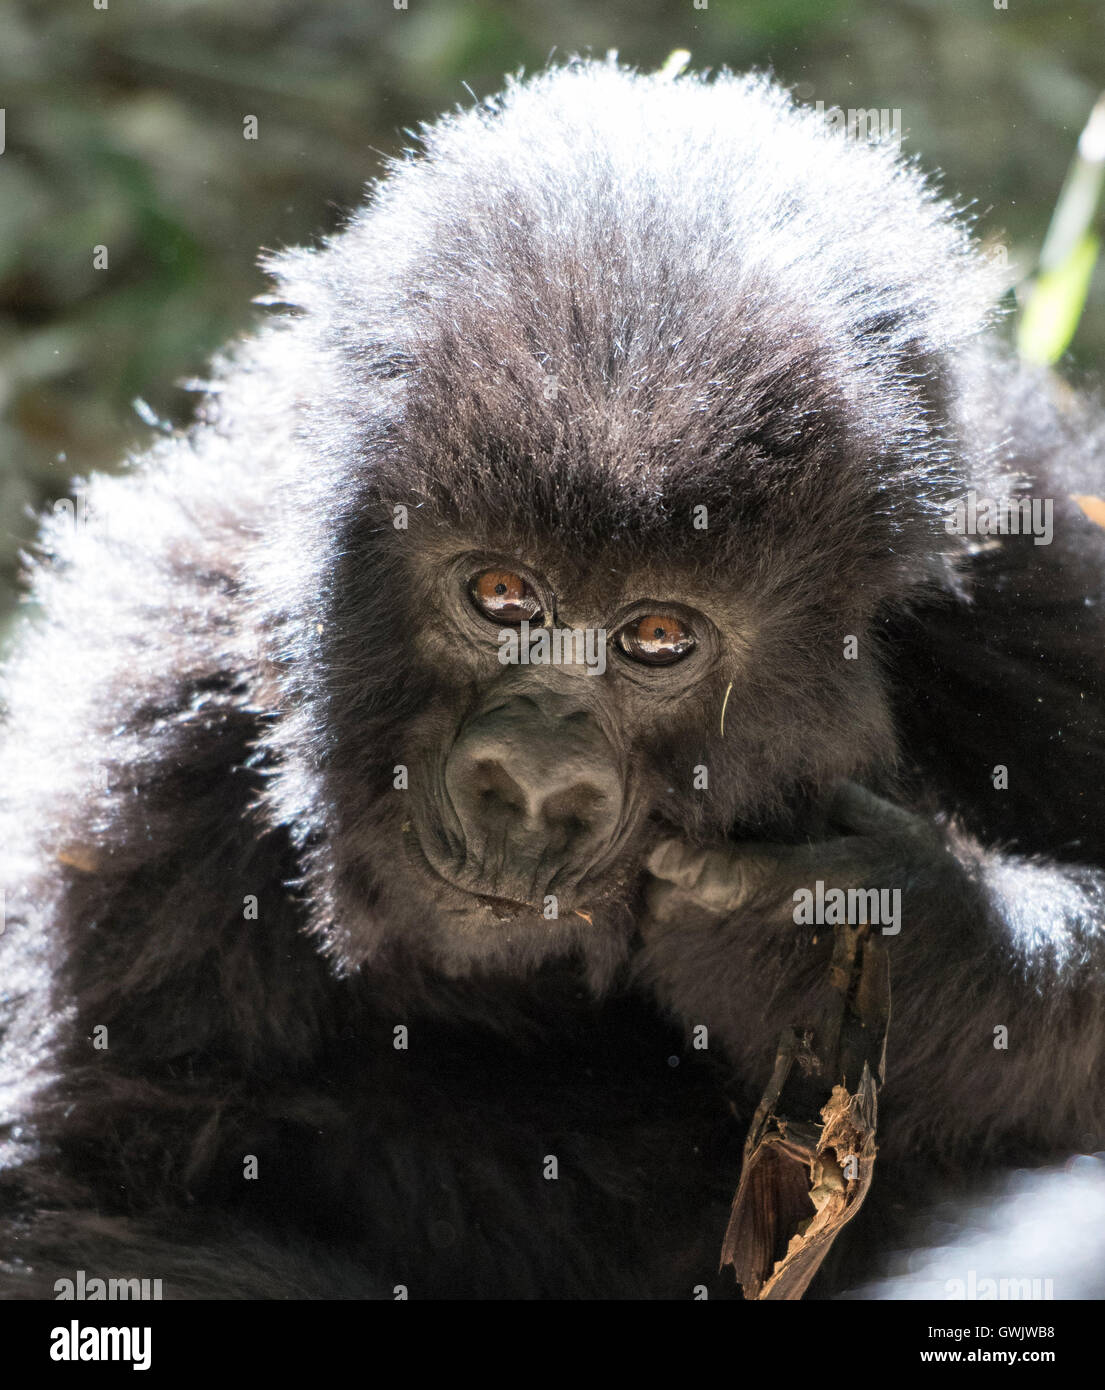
{"points": [[1055, 304]]}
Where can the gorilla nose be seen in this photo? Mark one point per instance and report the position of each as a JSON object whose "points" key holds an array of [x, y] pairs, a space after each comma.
{"points": [[543, 794], [537, 789]]}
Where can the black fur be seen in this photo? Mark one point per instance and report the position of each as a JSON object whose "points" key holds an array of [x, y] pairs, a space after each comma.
{"points": [[735, 308]]}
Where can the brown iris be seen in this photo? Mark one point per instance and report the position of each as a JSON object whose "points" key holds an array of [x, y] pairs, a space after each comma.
{"points": [[504, 596], [657, 639]]}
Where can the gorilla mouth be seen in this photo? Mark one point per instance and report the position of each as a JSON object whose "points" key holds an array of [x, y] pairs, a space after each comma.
{"points": [[504, 908]]}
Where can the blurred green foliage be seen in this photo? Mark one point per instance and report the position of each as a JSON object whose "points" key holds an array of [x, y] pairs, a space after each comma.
{"points": [[124, 129], [1054, 299]]}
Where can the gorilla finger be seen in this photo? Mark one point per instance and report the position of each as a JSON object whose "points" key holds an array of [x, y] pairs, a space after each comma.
{"points": [[715, 878], [664, 902]]}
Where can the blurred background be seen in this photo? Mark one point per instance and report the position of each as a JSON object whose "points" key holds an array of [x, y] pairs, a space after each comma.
{"points": [[124, 129]]}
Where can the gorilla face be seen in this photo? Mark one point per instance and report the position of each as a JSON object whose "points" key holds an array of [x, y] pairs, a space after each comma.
{"points": [[560, 708], [540, 798]]}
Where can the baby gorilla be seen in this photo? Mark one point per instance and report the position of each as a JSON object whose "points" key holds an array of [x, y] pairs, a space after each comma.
{"points": [[412, 774]]}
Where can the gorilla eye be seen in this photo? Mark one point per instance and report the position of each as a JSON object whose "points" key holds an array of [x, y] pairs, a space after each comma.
{"points": [[657, 639], [504, 597]]}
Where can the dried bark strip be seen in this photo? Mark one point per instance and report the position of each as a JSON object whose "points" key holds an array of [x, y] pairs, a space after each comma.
{"points": [[810, 1152]]}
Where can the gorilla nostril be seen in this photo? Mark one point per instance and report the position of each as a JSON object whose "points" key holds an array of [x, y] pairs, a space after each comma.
{"points": [[496, 790], [573, 810], [578, 716]]}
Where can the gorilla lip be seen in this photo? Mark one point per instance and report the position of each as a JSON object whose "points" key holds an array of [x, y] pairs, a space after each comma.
{"points": [[504, 908], [508, 907]]}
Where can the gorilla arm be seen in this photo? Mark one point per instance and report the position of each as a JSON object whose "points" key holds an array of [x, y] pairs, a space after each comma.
{"points": [[987, 942], [994, 1053]]}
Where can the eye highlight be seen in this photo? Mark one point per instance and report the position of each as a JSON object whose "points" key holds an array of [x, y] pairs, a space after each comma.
{"points": [[503, 596], [657, 639]]}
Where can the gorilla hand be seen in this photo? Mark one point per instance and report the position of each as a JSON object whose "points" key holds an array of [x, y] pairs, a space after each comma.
{"points": [[878, 846], [739, 936]]}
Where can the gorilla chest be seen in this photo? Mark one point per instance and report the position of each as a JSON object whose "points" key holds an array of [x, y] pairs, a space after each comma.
{"points": [[600, 1163]]}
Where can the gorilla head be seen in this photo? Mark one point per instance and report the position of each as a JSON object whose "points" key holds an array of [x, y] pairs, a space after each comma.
{"points": [[605, 359]]}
